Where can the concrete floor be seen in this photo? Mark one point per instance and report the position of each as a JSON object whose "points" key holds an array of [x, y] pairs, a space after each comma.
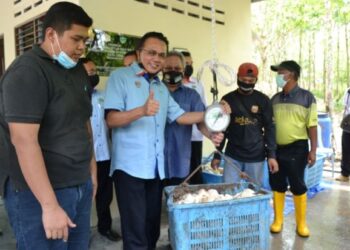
{"points": [[328, 220]]}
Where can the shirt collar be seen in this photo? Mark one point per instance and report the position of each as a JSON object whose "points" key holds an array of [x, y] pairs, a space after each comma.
{"points": [[40, 52], [292, 92], [179, 88], [141, 72], [191, 80]]}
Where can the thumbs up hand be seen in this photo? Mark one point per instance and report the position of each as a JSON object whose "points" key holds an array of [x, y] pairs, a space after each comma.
{"points": [[151, 106]]}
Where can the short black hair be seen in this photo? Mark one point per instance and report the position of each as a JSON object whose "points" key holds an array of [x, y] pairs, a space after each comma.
{"points": [[152, 34], [62, 15], [130, 53], [186, 53], [84, 60]]}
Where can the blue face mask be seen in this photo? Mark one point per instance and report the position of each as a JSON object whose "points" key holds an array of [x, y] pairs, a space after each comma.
{"points": [[63, 58], [280, 80]]}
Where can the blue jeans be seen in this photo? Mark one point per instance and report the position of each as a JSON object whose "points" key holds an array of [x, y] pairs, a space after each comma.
{"points": [[25, 215], [254, 170]]}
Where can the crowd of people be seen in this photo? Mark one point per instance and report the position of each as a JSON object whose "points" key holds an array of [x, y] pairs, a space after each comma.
{"points": [[65, 142]]}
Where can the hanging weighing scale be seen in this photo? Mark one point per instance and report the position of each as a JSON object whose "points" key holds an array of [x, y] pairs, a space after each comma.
{"points": [[215, 118]]}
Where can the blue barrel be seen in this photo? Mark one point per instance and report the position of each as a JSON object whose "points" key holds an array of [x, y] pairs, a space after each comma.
{"points": [[325, 123]]}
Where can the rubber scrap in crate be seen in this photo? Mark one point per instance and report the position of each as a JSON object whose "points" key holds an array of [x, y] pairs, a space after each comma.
{"points": [[233, 224]]}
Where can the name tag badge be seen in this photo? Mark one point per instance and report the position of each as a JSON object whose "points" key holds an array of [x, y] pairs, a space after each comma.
{"points": [[255, 109], [137, 84]]}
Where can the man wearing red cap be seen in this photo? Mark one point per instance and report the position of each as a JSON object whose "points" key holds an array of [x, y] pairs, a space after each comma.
{"points": [[251, 132]]}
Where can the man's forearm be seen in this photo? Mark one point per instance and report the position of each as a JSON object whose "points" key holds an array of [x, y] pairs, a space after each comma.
{"points": [[204, 130], [116, 119], [189, 118], [313, 138], [33, 169]]}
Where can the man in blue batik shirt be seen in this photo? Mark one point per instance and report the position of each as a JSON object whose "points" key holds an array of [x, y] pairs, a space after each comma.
{"points": [[177, 152], [137, 107]]}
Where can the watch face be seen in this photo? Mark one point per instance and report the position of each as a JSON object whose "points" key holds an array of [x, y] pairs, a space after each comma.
{"points": [[216, 119]]}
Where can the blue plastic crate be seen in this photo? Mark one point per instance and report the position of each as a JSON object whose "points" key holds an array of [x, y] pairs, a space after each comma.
{"points": [[313, 175], [224, 225]]}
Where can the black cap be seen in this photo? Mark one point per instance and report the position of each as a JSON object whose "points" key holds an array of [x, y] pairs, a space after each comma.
{"points": [[288, 65]]}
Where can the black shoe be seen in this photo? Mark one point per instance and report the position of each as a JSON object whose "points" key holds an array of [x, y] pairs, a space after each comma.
{"points": [[111, 235]]}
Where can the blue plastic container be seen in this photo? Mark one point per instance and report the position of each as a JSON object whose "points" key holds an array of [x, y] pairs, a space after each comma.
{"points": [[209, 178], [223, 225], [325, 123], [313, 175]]}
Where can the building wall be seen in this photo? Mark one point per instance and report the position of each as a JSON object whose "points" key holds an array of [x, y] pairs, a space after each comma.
{"points": [[233, 40], [16, 14]]}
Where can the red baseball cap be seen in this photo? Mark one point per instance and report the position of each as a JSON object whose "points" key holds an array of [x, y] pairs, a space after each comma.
{"points": [[248, 69]]}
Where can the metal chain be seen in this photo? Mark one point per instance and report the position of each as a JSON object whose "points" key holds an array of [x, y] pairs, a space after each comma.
{"points": [[214, 64]]}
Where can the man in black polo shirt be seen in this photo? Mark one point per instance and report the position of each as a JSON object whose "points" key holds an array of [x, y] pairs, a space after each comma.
{"points": [[49, 173]]}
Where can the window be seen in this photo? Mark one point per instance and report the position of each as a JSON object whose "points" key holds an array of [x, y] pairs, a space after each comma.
{"points": [[142, 1], [192, 15], [178, 10], [159, 5], [193, 3], [29, 34]]}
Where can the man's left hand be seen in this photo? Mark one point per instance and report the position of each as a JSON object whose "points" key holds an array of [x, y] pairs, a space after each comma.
{"points": [[225, 106], [311, 158], [216, 138], [273, 165]]}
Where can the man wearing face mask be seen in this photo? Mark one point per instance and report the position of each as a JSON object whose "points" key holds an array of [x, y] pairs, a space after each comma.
{"points": [[102, 143], [129, 58], [48, 174], [197, 136], [251, 134], [177, 152], [295, 116]]}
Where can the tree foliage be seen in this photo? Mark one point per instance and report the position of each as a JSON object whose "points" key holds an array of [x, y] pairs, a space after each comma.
{"points": [[315, 33]]}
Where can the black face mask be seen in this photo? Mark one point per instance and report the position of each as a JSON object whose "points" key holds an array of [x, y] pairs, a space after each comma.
{"points": [[94, 80], [245, 87], [172, 77], [188, 70]]}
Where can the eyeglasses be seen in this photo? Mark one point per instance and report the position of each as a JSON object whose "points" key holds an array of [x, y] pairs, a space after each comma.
{"points": [[151, 52]]}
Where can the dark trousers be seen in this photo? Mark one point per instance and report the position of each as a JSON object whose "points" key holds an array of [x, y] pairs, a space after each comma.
{"points": [[196, 160], [173, 181], [104, 196], [25, 215], [292, 160], [139, 202], [345, 158]]}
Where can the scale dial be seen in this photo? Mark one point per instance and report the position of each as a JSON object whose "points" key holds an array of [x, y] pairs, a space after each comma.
{"points": [[216, 119]]}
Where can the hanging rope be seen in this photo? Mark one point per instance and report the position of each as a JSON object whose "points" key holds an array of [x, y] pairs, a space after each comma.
{"points": [[214, 64]]}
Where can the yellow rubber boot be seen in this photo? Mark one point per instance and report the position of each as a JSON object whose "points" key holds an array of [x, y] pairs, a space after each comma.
{"points": [[278, 207], [300, 215]]}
